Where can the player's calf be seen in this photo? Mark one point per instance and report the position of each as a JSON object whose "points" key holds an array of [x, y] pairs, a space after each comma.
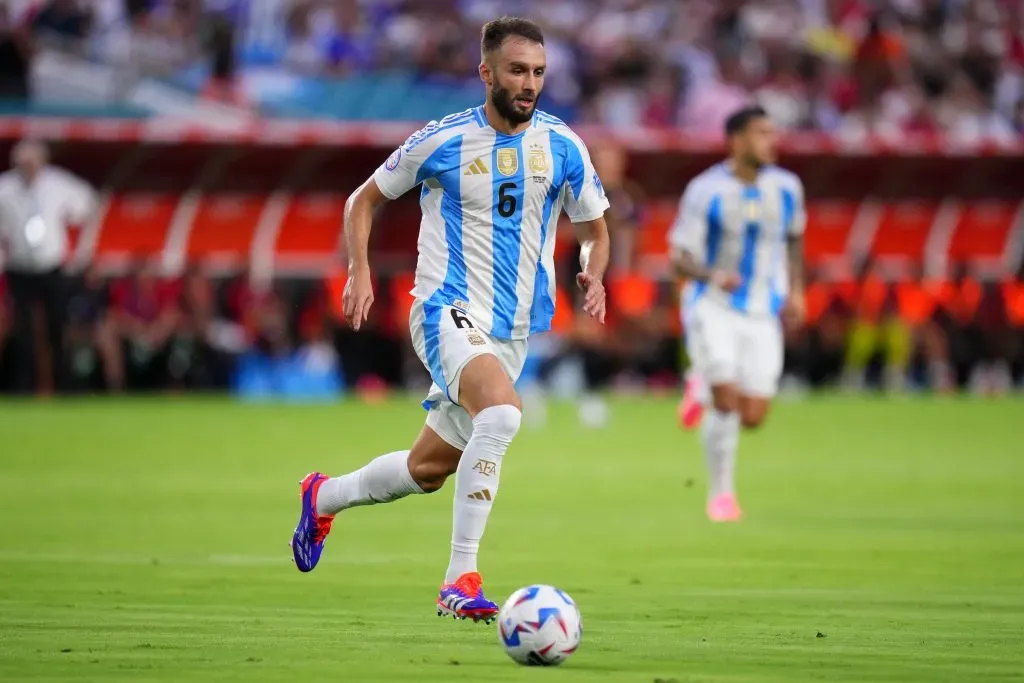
{"points": [[753, 411], [432, 460]]}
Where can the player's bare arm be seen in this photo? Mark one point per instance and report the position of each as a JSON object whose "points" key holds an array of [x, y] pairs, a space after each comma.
{"points": [[686, 266], [595, 248], [359, 210], [794, 309]]}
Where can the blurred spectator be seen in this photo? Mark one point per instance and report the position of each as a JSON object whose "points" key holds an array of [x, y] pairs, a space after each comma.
{"points": [[15, 57], [259, 310], [222, 85], [64, 22], [5, 325], [856, 66], [957, 303], [316, 351], [879, 63], [146, 316], [974, 317], [994, 358], [708, 105], [92, 333], [918, 300], [819, 350], [644, 335], [37, 204], [305, 53], [878, 335], [191, 358]]}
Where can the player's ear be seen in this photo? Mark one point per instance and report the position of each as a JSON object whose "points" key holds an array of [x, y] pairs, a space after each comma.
{"points": [[485, 74]]}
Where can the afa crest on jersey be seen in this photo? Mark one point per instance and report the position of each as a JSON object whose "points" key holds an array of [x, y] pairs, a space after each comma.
{"points": [[538, 161], [392, 163], [508, 160]]}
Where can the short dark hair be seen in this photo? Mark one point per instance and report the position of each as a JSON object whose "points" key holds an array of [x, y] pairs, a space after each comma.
{"points": [[739, 120], [494, 33]]}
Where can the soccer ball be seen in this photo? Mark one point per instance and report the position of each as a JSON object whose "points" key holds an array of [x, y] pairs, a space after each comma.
{"points": [[539, 626]]}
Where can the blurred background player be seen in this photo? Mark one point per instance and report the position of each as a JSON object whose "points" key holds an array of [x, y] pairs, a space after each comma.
{"points": [[495, 179], [738, 241]]}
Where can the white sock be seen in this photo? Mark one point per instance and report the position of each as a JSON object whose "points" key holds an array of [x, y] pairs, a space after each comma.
{"points": [[382, 480], [720, 434], [701, 389], [476, 483]]}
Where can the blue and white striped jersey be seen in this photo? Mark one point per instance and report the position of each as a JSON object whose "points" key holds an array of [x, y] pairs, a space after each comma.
{"points": [[490, 205], [727, 224]]}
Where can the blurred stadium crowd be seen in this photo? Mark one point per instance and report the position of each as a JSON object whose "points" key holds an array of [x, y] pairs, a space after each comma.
{"points": [[848, 67], [145, 331], [845, 67]]}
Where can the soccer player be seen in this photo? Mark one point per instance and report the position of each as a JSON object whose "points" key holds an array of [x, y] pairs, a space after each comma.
{"points": [[738, 241], [493, 182]]}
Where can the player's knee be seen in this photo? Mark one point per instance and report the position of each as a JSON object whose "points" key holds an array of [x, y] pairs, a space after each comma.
{"points": [[752, 420], [500, 422], [430, 465], [725, 398], [429, 475], [753, 416], [431, 485]]}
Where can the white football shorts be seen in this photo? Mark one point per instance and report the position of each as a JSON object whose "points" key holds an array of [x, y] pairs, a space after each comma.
{"points": [[729, 347], [446, 339]]}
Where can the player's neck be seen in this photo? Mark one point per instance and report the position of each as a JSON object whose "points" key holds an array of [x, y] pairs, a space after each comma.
{"points": [[500, 123], [744, 172]]}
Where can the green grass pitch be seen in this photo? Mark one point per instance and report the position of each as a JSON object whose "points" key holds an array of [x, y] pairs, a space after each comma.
{"points": [[147, 541]]}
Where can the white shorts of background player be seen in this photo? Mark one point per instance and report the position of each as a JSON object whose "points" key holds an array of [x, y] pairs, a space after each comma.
{"points": [[729, 347]]}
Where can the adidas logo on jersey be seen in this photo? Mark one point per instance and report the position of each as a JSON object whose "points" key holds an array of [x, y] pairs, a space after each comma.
{"points": [[478, 167], [482, 494]]}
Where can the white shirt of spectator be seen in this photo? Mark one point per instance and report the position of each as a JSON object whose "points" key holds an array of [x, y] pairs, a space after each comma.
{"points": [[34, 217]]}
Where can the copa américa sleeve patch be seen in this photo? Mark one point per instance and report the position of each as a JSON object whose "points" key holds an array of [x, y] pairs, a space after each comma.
{"points": [[392, 163]]}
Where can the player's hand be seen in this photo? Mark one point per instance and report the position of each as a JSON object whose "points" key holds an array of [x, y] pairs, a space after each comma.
{"points": [[358, 297], [594, 300], [794, 311], [726, 281]]}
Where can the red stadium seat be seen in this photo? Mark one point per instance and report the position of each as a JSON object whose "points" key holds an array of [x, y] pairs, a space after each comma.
{"points": [[311, 226], [828, 230], [903, 230], [136, 223], [984, 230], [225, 224]]}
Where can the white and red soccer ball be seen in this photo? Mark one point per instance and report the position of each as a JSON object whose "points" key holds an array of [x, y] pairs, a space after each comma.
{"points": [[539, 626]]}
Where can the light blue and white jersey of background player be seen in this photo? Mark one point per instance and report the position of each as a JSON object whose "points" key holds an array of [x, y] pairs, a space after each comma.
{"points": [[727, 224], [490, 206]]}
